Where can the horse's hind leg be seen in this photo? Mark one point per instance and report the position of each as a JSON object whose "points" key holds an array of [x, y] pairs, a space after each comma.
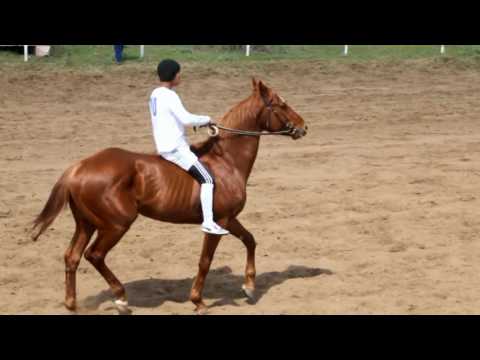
{"points": [[82, 236], [96, 253], [237, 230]]}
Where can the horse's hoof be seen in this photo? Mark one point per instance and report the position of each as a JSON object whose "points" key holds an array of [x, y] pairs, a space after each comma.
{"points": [[71, 305], [122, 307], [201, 310], [250, 293]]}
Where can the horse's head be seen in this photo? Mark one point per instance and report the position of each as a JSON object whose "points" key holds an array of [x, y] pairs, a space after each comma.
{"points": [[277, 115]]}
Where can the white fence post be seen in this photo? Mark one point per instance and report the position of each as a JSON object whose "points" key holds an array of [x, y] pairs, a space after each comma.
{"points": [[345, 50], [248, 50], [142, 51], [25, 53], [442, 49]]}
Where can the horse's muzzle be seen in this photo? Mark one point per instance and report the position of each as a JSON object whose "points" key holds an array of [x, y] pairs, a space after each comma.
{"points": [[299, 133]]}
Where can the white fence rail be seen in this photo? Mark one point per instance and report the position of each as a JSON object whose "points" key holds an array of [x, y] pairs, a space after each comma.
{"points": [[25, 50], [345, 50], [248, 50]]}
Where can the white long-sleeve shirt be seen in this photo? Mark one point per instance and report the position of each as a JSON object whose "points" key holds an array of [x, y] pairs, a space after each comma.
{"points": [[169, 119]]}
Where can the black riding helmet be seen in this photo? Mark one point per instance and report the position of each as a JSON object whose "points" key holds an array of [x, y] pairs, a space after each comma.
{"points": [[168, 69]]}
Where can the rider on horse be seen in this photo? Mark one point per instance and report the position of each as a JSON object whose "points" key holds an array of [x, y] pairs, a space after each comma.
{"points": [[169, 119]]}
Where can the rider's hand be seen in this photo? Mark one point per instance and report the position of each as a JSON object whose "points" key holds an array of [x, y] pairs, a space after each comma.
{"points": [[211, 122]]}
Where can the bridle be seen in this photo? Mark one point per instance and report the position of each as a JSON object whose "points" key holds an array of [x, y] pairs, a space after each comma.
{"points": [[213, 130]]}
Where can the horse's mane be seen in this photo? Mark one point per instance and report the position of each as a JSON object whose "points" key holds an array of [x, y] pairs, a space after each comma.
{"points": [[203, 147], [234, 118]]}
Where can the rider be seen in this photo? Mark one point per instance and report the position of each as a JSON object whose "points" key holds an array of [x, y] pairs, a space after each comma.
{"points": [[169, 119]]}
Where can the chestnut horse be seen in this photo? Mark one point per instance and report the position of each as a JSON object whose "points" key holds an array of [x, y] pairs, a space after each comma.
{"points": [[108, 190]]}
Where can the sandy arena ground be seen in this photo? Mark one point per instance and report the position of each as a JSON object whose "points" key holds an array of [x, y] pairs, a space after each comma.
{"points": [[376, 211]]}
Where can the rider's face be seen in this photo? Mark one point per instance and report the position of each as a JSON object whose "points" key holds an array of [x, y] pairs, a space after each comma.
{"points": [[177, 80]]}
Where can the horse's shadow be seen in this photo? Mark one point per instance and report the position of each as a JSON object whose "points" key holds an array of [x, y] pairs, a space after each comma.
{"points": [[221, 284]]}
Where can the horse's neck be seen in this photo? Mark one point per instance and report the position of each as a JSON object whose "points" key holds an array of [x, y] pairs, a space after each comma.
{"points": [[239, 149], [242, 152]]}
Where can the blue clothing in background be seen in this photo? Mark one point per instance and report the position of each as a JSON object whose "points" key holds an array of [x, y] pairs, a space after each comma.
{"points": [[118, 52]]}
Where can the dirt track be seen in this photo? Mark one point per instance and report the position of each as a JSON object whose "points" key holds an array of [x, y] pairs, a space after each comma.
{"points": [[375, 211]]}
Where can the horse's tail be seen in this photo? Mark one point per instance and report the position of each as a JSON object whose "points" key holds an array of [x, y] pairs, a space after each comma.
{"points": [[58, 199]]}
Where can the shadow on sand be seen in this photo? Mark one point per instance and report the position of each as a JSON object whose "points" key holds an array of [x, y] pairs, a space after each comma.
{"points": [[221, 283]]}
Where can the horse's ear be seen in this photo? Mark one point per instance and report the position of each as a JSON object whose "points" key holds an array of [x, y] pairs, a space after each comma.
{"points": [[254, 83], [264, 90]]}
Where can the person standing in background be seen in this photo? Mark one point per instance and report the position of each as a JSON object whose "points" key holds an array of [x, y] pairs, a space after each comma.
{"points": [[118, 53]]}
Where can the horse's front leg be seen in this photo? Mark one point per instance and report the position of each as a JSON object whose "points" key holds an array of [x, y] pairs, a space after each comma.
{"points": [[237, 230], [210, 244]]}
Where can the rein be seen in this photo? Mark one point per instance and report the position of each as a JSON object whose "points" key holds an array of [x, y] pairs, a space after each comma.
{"points": [[291, 130], [215, 130]]}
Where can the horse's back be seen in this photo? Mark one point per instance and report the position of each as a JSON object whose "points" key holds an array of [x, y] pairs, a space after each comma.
{"points": [[121, 162], [112, 165], [116, 154], [119, 158]]}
